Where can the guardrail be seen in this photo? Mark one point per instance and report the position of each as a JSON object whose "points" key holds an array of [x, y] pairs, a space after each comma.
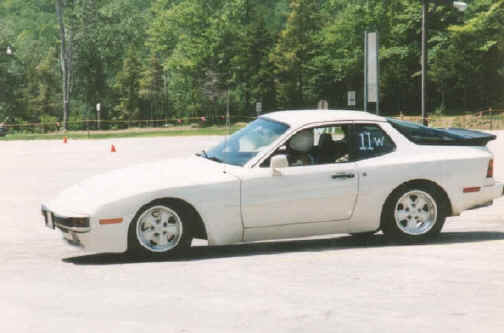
{"points": [[105, 125], [484, 119]]}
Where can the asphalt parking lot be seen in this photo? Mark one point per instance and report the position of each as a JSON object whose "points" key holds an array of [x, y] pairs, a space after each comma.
{"points": [[332, 284]]}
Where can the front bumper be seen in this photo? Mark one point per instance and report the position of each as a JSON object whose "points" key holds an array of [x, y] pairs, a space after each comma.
{"points": [[77, 224], [86, 233], [71, 227]]}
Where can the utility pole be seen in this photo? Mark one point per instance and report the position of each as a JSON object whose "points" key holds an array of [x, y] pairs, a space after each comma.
{"points": [[424, 61], [365, 71], [459, 5]]}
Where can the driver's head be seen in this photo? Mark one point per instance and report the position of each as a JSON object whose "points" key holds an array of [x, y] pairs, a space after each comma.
{"points": [[302, 142]]}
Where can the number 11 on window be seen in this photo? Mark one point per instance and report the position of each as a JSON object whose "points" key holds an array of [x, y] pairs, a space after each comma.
{"points": [[363, 137]]}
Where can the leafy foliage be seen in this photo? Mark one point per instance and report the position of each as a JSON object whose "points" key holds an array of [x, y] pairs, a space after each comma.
{"points": [[187, 58]]}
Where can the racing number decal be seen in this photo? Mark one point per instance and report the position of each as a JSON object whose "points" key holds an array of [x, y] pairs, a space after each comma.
{"points": [[363, 137], [367, 141]]}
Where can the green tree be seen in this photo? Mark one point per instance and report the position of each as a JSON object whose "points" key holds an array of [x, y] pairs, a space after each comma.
{"points": [[293, 52], [43, 93], [127, 87], [250, 58], [153, 88], [468, 64]]}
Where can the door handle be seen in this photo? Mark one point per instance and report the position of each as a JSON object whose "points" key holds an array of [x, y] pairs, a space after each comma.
{"points": [[343, 175]]}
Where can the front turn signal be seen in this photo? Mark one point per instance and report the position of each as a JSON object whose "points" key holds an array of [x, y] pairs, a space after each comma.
{"points": [[111, 221]]}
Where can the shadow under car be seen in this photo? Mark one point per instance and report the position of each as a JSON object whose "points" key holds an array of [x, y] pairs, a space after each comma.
{"points": [[276, 247]]}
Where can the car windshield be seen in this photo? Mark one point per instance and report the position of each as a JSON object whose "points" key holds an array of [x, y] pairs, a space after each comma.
{"points": [[421, 134], [243, 145]]}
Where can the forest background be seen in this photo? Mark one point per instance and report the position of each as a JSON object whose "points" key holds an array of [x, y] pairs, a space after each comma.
{"points": [[172, 59]]}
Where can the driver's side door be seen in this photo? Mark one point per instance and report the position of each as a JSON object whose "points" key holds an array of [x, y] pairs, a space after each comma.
{"points": [[301, 194]]}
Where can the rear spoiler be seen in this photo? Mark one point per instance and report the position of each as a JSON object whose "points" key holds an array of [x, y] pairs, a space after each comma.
{"points": [[465, 137], [430, 136]]}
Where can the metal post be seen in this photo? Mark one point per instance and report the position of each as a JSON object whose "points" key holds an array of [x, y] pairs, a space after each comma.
{"points": [[87, 120], [377, 74], [365, 71], [424, 61], [98, 116]]}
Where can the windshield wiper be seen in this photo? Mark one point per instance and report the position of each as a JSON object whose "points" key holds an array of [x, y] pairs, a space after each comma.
{"points": [[203, 154], [211, 158]]}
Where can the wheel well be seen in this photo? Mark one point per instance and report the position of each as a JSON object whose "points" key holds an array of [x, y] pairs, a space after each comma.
{"points": [[424, 182], [199, 230]]}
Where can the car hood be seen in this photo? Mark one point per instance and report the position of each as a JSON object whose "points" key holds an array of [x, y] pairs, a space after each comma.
{"points": [[86, 197]]}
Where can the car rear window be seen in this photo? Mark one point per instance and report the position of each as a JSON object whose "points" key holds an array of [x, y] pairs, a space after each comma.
{"points": [[420, 134], [370, 141]]}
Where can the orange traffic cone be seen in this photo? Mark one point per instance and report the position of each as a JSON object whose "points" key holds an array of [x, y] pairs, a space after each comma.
{"points": [[113, 149], [65, 139]]}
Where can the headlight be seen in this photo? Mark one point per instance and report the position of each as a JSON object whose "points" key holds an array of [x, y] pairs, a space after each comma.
{"points": [[72, 222]]}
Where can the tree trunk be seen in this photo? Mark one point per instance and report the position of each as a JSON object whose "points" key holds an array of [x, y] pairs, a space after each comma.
{"points": [[65, 60], [301, 88]]}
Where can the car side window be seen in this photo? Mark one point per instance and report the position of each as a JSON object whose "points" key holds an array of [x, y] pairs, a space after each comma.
{"points": [[369, 140], [332, 144], [315, 146]]}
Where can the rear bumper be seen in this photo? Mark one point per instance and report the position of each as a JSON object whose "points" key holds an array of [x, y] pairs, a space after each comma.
{"points": [[495, 191], [484, 197]]}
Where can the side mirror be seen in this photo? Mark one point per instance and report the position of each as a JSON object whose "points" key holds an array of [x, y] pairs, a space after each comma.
{"points": [[278, 162]]}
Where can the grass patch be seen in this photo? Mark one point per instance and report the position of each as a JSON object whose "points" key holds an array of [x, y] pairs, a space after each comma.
{"points": [[130, 133]]}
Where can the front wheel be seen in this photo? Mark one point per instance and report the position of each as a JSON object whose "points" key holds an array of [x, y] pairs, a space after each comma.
{"points": [[414, 213], [159, 228]]}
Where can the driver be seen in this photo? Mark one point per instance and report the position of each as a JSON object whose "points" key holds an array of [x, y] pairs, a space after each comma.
{"points": [[299, 148]]}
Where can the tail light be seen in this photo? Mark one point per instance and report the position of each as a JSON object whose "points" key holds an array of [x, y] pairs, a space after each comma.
{"points": [[490, 169]]}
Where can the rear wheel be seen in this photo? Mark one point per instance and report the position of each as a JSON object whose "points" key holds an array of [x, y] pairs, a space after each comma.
{"points": [[158, 229], [414, 213]]}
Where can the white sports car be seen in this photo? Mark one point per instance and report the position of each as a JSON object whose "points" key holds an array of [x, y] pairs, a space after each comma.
{"points": [[286, 175]]}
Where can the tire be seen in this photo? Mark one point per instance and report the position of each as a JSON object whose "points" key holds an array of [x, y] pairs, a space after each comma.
{"points": [[159, 229], [414, 213]]}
